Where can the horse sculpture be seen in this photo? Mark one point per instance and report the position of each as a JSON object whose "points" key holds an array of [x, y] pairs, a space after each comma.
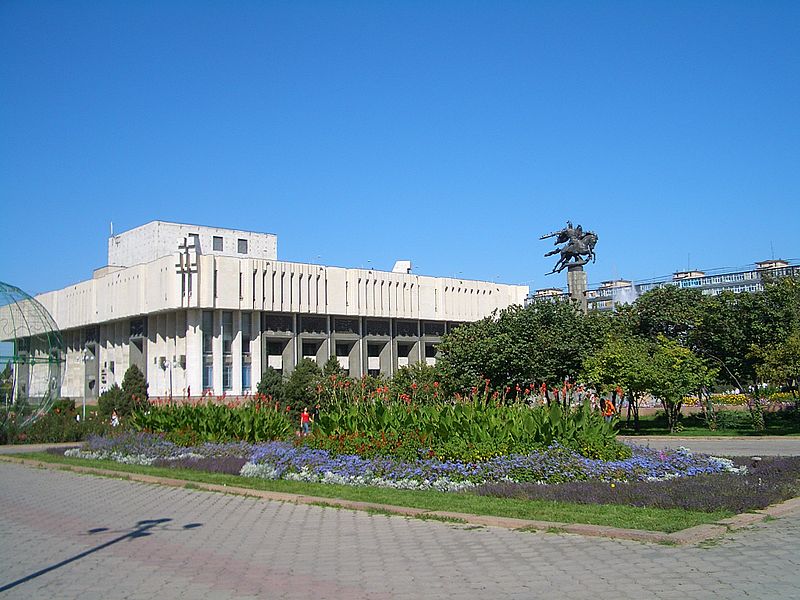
{"points": [[579, 244]]}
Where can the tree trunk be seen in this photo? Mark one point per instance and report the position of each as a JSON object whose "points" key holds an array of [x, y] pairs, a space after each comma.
{"points": [[634, 402]]}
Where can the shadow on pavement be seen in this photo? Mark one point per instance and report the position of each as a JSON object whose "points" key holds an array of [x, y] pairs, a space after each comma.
{"points": [[141, 529]]}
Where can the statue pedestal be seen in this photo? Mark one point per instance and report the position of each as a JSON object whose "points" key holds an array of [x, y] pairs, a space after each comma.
{"points": [[576, 284]]}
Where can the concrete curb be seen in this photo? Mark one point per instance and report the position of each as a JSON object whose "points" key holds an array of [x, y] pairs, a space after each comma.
{"points": [[692, 535]]}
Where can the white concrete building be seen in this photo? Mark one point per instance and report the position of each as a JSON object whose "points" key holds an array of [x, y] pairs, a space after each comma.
{"points": [[208, 309]]}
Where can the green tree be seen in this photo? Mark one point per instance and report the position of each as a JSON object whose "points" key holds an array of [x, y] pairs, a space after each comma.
{"points": [[301, 386], [736, 327], [675, 372], [542, 342], [624, 361], [271, 385], [671, 311], [134, 390], [780, 364], [113, 399], [333, 368]]}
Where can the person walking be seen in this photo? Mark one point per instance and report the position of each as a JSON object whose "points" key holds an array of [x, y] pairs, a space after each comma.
{"points": [[305, 421]]}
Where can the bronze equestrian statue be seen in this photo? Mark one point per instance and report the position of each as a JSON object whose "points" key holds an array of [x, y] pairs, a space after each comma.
{"points": [[578, 244]]}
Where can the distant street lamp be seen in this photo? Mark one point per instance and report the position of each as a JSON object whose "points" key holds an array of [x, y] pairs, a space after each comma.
{"points": [[85, 357], [168, 365]]}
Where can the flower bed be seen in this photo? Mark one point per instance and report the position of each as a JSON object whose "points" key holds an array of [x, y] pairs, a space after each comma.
{"points": [[765, 482], [283, 460]]}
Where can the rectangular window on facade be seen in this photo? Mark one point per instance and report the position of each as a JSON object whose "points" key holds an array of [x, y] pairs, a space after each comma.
{"points": [[277, 322], [241, 246], [433, 328], [138, 328], [208, 373], [406, 328], [246, 383], [314, 324], [345, 325], [310, 348], [246, 337], [227, 332], [217, 243], [208, 331], [377, 327], [227, 373], [275, 348], [208, 349], [247, 332]]}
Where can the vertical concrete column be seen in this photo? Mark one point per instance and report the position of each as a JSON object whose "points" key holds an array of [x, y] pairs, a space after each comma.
{"points": [[576, 283], [194, 351], [179, 369], [217, 352], [256, 349], [151, 368], [295, 344], [122, 351], [171, 383], [236, 353], [362, 346]]}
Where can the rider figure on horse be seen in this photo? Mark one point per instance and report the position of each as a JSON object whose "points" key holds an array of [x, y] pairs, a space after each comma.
{"points": [[578, 243]]}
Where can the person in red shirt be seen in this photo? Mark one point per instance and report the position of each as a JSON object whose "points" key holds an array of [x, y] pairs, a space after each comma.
{"points": [[608, 409], [305, 420]]}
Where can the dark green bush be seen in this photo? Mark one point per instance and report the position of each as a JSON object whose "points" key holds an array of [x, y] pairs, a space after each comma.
{"points": [[112, 400], [300, 389], [271, 385], [134, 387], [61, 424]]}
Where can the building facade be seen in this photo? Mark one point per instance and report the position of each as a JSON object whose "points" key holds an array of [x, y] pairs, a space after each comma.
{"points": [[623, 291], [202, 309]]}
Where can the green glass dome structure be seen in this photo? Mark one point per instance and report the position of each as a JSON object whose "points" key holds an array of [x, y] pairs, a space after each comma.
{"points": [[32, 354]]}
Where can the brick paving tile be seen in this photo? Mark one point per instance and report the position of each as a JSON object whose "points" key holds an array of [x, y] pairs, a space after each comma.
{"points": [[64, 535]]}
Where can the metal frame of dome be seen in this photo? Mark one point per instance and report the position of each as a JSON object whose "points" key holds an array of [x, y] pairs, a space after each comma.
{"points": [[32, 348]]}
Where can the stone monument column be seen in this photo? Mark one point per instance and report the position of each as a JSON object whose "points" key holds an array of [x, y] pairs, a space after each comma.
{"points": [[576, 284]]}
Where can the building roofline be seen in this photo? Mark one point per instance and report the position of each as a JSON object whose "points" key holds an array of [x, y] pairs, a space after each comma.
{"points": [[190, 225]]}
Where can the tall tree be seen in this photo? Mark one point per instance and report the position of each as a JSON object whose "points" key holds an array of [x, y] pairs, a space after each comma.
{"points": [[542, 342]]}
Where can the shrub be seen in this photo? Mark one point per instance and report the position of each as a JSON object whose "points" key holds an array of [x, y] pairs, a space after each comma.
{"points": [[134, 388], [113, 399], [60, 424], [271, 385], [300, 387]]}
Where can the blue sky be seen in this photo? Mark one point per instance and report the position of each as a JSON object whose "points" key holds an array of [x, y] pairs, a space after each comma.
{"points": [[452, 134]]}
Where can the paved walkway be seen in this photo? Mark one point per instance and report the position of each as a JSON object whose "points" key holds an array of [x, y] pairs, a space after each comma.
{"points": [[64, 535], [725, 446]]}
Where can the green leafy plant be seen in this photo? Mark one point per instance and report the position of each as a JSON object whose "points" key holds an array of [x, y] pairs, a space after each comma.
{"points": [[210, 422]]}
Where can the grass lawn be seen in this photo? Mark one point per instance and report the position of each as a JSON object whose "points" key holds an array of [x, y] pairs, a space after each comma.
{"points": [[729, 423], [651, 519]]}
